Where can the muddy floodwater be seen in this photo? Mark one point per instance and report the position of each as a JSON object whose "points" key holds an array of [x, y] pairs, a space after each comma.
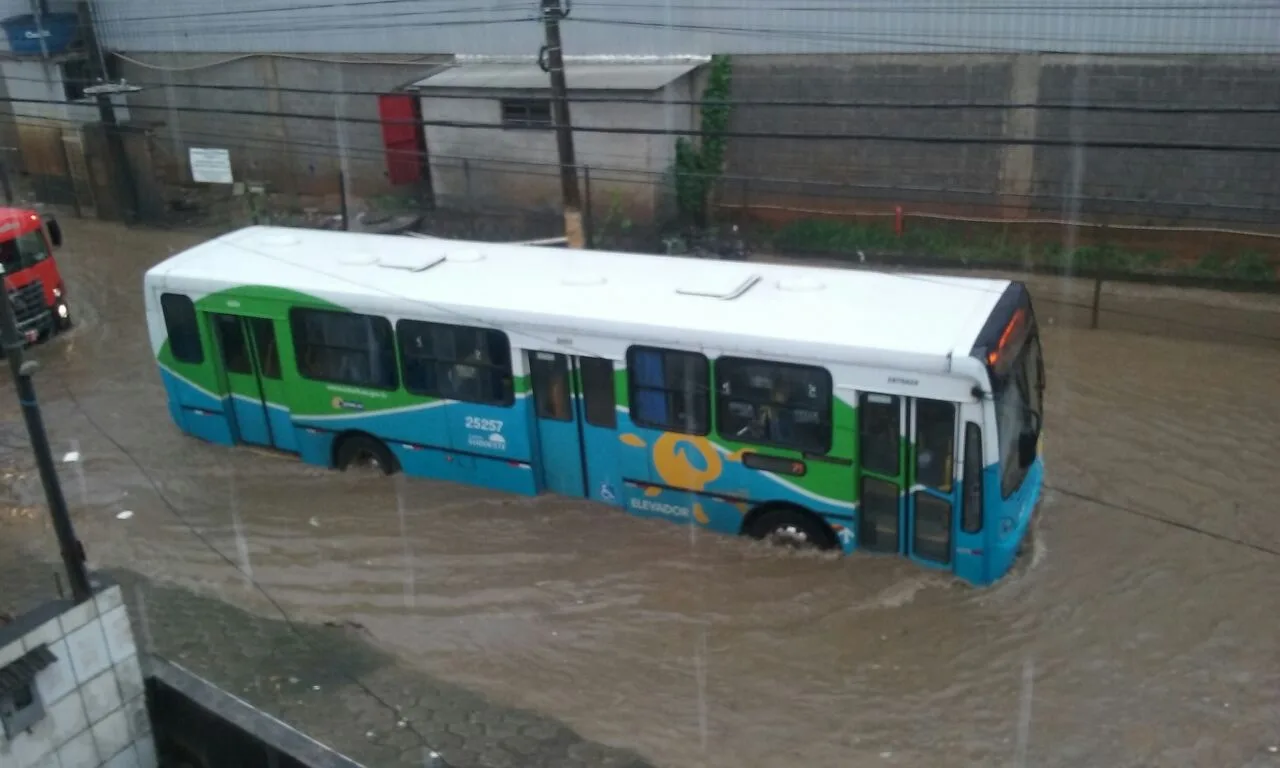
{"points": [[1121, 639]]}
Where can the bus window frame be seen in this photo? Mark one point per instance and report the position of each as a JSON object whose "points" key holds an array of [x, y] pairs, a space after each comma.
{"points": [[596, 393], [192, 322], [705, 391], [826, 413], [505, 370], [972, 479], [300, 344], [1015, 374]]}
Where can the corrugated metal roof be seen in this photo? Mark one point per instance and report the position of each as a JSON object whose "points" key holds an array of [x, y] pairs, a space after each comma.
{"points": [[579, 76]]}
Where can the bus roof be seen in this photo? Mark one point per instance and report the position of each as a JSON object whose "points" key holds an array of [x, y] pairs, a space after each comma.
{"points": [[904, 321]]}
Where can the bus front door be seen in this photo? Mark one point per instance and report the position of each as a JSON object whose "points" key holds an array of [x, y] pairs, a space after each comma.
{"points": [[250, 363], [934, 490], [882, 454]]}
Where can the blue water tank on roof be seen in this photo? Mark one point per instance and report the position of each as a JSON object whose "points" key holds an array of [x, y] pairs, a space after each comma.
{"points": [[59, 32]]}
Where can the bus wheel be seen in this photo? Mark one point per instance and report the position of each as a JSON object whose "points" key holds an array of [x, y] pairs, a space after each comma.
{"points": [[792, 527], [363, 451]]}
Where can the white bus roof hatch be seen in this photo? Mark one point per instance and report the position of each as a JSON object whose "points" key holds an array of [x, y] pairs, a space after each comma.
{"points": [[725, 287]]}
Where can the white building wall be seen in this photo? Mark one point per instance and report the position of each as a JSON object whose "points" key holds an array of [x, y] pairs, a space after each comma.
{"points": [[93, 694], [519, 167], [35, 90]]}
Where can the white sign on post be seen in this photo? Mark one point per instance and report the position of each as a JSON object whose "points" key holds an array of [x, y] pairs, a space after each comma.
{"points": [[211, 166]]}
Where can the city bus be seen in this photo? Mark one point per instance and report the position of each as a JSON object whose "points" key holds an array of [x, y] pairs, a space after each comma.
{"points": [[822, 408], [36, 291]]}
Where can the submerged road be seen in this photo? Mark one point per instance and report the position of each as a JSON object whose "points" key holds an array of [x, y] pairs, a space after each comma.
{"points": [[1125, 637]]}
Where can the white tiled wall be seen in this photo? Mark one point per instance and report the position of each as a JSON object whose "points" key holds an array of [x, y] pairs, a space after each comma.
{"points": [[95, 711]]}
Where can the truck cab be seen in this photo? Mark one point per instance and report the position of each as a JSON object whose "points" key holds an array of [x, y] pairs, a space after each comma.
{"points": [[36, 290]]}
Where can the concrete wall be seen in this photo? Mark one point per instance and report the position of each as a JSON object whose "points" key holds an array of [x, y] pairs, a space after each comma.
{"points": [[92, 694], [1242, 186], [1007, 179], [865, 169], [613, 27], [303, 155], [519, 168]]}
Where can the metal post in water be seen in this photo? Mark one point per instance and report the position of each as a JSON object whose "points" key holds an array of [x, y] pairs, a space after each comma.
{"points": [[588, 214], [72, 550], [1097, 300], [1096, 309], [5, 183], [342, 193]]}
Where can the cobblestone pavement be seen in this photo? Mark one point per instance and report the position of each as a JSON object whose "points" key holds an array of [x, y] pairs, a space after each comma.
{"points": [[326, 681]]}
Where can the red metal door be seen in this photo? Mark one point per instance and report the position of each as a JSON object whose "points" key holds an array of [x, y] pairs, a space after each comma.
{"points": [[403, 138]]}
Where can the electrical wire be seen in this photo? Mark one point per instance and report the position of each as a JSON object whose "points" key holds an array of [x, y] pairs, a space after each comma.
{"points": [[961, 7], [344, 26], [295, 8], [580, 98], [783, 135], [204, 540], [1162, 520], [935, 42], [633, 176]]}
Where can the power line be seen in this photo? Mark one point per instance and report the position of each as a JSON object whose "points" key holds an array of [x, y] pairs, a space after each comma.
{"points": [[629, 175], [776, 135], [551, 172], [962, 8], [1153, 517], [308, 7], [941, 41], [908, 192], [1271, 109], [288, 620]]}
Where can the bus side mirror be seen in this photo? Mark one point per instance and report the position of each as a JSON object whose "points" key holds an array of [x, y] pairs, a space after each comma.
{"points": [[55, 233], [1027, 444]]}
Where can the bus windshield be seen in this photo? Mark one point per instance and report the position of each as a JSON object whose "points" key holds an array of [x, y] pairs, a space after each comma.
{"points": [[1019, 404], [23, 251]]}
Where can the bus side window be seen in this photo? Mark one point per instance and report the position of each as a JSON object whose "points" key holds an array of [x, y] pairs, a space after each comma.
{"points": [[235, 351], [456, 362], [344, 348], [669, 390], [879, 437], [599, 398], [971, 512], [770, 403], [182, 328], [935, 444]]}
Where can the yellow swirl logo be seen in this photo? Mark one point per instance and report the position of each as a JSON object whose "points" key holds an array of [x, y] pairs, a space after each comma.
{"points": [[685, 461]]}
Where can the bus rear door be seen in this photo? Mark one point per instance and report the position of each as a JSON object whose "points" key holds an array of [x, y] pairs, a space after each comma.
{"points": [[249, 361], [576, 420]]}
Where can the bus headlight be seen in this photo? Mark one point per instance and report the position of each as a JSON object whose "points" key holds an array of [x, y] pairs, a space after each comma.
{"points": [[62, 310], [57, 293]]}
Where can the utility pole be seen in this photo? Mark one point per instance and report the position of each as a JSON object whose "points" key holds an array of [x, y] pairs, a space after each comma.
{"points": [[72, 551], [102, 91], [553, 63]]}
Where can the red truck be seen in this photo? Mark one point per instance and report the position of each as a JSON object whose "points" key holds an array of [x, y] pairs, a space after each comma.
{"points": [[35, 287]]}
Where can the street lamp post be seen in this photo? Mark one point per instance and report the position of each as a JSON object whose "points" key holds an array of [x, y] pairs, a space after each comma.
{"points": [[13, 344]]}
